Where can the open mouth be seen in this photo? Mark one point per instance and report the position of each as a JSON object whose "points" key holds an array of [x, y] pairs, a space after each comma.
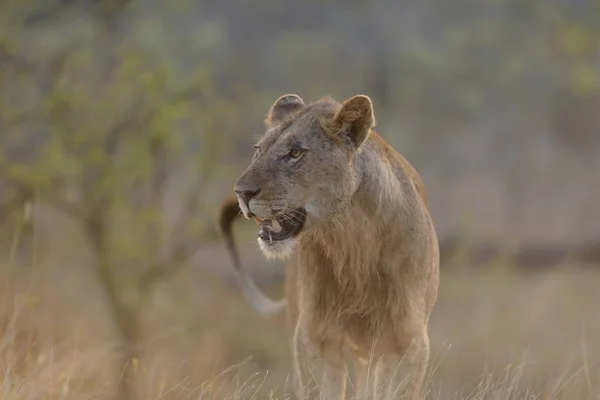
{"points": [[281, 227]]}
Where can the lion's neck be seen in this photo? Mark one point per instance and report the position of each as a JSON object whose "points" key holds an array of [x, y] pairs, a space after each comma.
{"points": [[360, 241]]}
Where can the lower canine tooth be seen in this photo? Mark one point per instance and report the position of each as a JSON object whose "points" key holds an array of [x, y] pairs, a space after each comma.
{"points": [[275, 226]]}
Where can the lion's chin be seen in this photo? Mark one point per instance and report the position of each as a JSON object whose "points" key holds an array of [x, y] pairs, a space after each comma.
{"points": [[277, 250]]}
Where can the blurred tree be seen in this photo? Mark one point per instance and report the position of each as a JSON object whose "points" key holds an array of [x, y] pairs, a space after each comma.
{"points": [[123, 144]]}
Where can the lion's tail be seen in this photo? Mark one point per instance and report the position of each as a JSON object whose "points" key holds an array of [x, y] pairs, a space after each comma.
{"points": [[258, 300]]}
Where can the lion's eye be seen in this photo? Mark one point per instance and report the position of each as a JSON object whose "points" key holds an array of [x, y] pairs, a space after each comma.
{"points": [[295, 153]]}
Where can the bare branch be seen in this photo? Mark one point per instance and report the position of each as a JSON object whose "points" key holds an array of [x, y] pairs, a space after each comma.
{"points": [[183, 252], [55, 66], [180, 257], [24, 194], [190, 208], [71, 209], [49, 12], [11, 206], [9, 59], [158, 180]]}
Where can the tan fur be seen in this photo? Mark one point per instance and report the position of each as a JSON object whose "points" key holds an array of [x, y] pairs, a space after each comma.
{"points": [[363, 273]]}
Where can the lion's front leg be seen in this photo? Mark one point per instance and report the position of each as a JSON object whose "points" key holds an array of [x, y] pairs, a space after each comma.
{"points": [[362, 379], [319, 367], [401, 375]]}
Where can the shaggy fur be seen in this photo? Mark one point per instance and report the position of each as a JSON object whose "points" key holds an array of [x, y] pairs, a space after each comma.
{"points": [[363, 273]]}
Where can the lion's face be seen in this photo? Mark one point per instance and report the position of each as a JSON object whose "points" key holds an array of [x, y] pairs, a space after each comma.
{"points": [[302, 171]]}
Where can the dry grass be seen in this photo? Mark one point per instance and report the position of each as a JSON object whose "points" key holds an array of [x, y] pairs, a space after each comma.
{"points": [[495, 334]]}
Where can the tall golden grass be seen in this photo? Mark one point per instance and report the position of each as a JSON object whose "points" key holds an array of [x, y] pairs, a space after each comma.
{"points": [[495, 334]]}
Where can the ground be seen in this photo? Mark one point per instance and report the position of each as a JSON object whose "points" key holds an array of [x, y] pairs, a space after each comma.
{"points": [[495, 333]]}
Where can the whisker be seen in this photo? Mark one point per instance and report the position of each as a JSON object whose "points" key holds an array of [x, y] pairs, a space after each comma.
{"points": [[291, 214], [296, 214], [290, 217], [255, 137], [292, 211]]}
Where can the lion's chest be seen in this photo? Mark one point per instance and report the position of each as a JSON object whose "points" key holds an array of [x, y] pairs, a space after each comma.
{"points": [[357, 308]]}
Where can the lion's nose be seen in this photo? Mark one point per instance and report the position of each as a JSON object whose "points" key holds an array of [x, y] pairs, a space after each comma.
{"points": [[246, 193]]}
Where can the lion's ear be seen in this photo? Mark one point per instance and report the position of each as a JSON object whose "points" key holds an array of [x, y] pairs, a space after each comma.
{"points": [[283, 106], [355, 119]]}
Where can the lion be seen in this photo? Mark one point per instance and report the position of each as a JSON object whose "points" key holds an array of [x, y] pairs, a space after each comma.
{"points": [[352, 217]]}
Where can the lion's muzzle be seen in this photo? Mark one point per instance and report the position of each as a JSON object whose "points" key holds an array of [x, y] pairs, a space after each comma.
{"points": [[245, 194], [283, 226]]}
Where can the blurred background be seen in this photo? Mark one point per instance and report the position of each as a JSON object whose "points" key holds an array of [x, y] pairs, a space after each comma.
{"points": [[124, 123]]}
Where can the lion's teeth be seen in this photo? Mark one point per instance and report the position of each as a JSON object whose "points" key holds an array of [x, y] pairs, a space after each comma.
{"points": [[276, 226]]}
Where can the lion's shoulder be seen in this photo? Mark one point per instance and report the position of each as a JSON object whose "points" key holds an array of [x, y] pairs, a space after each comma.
{"points": [[400, 163]]}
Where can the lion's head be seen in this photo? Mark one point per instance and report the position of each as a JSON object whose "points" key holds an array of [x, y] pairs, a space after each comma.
{"points": [[303, 169]]}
